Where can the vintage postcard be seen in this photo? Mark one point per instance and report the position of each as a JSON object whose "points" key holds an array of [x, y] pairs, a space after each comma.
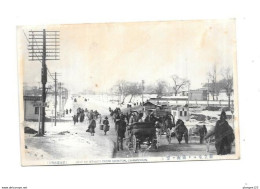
{"points": [[128, 92]]}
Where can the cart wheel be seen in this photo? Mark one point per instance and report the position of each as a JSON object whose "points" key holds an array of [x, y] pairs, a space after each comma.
{"points": [[134, 143], [155, 145], [168, 136]]}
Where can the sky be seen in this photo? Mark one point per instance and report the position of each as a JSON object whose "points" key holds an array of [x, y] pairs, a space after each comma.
{"points": [[96, 56]]}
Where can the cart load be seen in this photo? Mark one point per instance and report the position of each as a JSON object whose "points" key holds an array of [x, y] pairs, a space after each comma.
{"points": [[142, 133], [143, 128]]}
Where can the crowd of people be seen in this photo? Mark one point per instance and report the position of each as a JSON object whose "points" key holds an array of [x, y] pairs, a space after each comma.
{"points": [[222, 132], [88, 116]]}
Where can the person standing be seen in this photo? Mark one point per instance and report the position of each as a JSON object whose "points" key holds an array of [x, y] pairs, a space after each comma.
{"points": [[121, 130], [132, 119], [224, 135], [75, 119]]}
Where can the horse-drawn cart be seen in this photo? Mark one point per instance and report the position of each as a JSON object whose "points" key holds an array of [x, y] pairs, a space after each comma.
{"points": [[142, 133]]}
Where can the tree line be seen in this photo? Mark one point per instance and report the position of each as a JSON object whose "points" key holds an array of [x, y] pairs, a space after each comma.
{"points": [[160, 87], [217, 81]]}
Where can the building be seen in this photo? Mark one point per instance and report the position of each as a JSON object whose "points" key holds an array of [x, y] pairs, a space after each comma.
{"points": [[199, 94], [31, 112], [149, 105], [181, 112], [223, 96]]}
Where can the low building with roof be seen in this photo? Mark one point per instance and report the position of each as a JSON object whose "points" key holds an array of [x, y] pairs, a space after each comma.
{"points": [[31, 112]]}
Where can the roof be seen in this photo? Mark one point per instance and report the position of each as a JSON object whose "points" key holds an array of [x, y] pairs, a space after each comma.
{"points": [[32, 98], [149, 104], [200, 89]]}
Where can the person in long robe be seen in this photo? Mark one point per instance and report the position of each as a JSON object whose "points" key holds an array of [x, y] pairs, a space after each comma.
{"points": [[224, 135]]}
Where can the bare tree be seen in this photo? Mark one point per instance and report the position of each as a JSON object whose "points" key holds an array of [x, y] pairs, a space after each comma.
{"points": [[160, 87], [227, 83], [150, 89], [213, 86], [179, 83], [133, 89], [120, 88]]}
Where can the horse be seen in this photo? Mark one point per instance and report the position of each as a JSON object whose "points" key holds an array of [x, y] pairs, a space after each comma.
{"points": [[169, 124]]}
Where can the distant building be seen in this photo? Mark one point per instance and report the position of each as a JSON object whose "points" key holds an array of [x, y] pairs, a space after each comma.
{"points": [[223, 96], [199, 94], [181, 113], [149, 105], [31, 112]]}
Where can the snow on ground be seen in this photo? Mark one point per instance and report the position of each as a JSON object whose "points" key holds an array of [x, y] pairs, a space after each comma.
{"points": [[209, 123], [66, 142]]}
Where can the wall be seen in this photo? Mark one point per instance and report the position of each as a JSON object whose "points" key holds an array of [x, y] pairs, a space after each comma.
{"points": [[29, 111]]}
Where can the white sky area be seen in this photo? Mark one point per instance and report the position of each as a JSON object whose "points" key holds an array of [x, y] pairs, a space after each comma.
{"points": [[95, 56]]}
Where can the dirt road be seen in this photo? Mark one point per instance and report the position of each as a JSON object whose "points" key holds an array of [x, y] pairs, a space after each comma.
{"points": [[164, 149]]}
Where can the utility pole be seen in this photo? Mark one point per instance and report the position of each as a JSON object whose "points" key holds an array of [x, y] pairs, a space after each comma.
{"points": [[44, 81], [142, 92], [188, 94], [55, 98], [60, 100], [208, 94], [38, 43]]}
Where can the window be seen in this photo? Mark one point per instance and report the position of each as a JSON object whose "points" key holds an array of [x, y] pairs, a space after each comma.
{"points": [[36, 110], [185, 113], [180, 113]]}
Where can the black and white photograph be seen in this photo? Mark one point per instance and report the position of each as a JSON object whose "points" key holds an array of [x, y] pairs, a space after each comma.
{"points": [[128, 92]]}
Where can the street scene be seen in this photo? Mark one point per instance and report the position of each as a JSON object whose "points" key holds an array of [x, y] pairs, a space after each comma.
{"points": [[128, 92]]}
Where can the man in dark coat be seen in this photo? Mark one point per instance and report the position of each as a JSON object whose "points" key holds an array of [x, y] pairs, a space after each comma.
{"points": [[121, 129], [224, 135], [122, 125], [92, 126], [75, 119], [81, 117]]}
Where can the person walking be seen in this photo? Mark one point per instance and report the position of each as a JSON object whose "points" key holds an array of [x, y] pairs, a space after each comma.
{"points": [[224, 135], [106, 125], [92, 126], [121, 131], [75, 119]]}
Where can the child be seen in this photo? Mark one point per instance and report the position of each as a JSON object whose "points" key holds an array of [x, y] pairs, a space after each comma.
{"points": [[106, 125]]}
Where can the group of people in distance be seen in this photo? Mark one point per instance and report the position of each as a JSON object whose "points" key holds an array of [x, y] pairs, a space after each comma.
{"points": [[84, 115], [88, 116]]}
